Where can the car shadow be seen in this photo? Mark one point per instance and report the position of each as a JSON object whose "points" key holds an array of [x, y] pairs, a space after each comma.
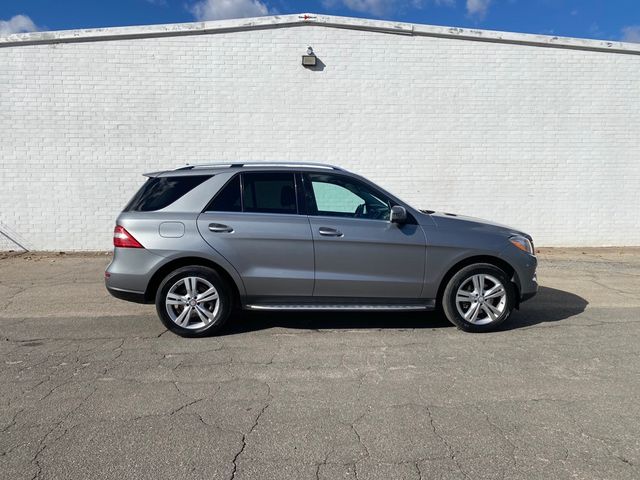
{"points": [[549, 305]]}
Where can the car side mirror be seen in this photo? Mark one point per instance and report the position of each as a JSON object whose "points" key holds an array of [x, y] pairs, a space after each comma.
{"points": [[398, 215]]}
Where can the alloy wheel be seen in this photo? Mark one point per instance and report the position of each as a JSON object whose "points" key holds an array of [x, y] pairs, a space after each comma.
{"points": [[481, 299], [192, 303]]}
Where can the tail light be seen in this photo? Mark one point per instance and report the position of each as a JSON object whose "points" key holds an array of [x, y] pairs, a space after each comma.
{"points": [[123, 239]]}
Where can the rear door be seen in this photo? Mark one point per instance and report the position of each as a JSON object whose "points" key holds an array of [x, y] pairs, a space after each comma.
{"points": [[358, 252], [254, 223]]}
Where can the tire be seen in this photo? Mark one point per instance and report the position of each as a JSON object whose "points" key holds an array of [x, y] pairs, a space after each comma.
{"points": [[478, 314], [183, 289]]}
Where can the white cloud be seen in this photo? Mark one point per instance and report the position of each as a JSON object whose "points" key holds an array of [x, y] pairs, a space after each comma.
{"points": [[222, 9], [631, 34], [439, 3], [478, 8], [379, 8], [17, 24], [374, 7]]}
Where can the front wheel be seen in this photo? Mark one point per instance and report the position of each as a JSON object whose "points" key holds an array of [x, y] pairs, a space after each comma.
{"points": [[478, 298], [193, 301]]}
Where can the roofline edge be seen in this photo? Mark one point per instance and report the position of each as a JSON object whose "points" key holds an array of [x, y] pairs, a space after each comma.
{"points": [[285, 21]]}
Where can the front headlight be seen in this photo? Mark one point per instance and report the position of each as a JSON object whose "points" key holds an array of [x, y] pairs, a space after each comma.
{"points": [[522, 243]]}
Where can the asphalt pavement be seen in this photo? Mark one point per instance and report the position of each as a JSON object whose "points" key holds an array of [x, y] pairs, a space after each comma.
{"points": [[93, 387]]}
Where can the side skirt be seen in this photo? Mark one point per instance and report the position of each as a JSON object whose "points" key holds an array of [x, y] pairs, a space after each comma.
{"points": [[373, 305]]}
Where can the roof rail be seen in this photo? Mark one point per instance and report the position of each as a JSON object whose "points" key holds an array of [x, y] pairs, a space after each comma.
{"points": [[261, 164]]}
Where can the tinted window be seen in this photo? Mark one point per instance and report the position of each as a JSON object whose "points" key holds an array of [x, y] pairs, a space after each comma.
{"points": [[228, 199], [269, 192], [338, 196], [335, 198], [158, 193]]}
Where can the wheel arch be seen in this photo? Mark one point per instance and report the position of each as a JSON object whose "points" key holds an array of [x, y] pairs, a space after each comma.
{"points": [[495, 261], [164, 270]]}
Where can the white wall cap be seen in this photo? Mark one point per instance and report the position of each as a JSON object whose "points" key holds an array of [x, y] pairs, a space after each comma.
{"points": [[310, 19]]}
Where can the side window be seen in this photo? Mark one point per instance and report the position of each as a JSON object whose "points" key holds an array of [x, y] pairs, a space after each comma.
{"points": [[269, 192], [160, 192], [228, 199], [339, 196], [334, 198]]}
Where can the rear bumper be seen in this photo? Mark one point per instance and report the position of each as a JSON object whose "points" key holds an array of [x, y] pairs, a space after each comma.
{"points": [[136, 297], [127, 276]]}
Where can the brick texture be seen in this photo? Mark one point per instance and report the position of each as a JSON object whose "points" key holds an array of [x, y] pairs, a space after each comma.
{"points": [[544, 139]]}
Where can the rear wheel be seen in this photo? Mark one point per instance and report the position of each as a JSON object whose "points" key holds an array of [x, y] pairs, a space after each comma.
{"points": [[193, 301], [478, 298]]}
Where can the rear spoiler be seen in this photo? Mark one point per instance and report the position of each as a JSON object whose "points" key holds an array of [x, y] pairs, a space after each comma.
{"points": [[153, 174], [169, 173]]}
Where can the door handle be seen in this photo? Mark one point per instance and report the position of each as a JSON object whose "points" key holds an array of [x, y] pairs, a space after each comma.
{"points": [[220, 228], [330, 232]]}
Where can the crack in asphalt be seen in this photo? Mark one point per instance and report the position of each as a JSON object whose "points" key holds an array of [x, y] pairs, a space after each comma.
{"points": [[503, 434], [11, 297], [42, 445], [244, 441], [452, 453], [12, 422], [353, 428], [322, 464]]}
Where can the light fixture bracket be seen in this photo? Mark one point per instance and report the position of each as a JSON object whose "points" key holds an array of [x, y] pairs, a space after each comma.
{"points": [[310, 59]]}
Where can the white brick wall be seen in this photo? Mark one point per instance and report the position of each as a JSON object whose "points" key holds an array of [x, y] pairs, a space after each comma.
{"points": [[544, 139]]}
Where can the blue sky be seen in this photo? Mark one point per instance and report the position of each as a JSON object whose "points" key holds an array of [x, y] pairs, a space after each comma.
{"points": [[602, 19]]}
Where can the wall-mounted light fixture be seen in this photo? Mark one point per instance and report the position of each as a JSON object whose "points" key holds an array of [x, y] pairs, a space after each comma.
{"points": [[310, 59]]}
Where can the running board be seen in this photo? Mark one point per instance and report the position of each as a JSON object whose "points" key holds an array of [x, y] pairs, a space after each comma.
{"points": [[342, 307]]}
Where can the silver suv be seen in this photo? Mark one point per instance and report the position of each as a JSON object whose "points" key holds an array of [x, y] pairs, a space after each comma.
{"points": [[201, 240]]}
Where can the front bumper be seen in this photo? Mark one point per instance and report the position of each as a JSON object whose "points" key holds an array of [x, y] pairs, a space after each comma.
{"points": [[525, 276], [527, 281]]}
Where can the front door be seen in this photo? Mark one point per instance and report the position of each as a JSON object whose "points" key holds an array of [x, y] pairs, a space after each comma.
{"points": [[253, 222], [358, 252]]}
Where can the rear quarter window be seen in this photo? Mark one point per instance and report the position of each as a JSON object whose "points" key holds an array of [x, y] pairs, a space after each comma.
{"points": [[160, 192]]}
